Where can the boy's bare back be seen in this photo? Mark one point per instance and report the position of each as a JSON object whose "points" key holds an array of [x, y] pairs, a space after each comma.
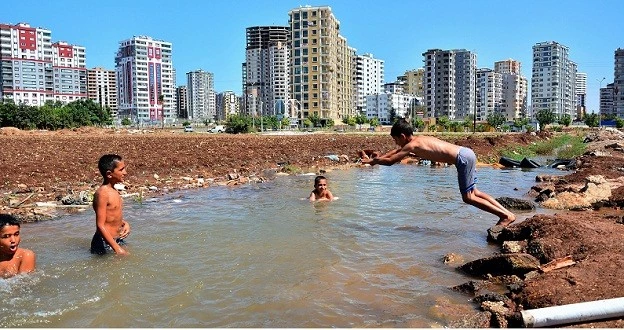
{"points": [[431, 148]]}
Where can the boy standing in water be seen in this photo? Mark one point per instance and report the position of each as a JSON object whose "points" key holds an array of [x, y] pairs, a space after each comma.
{"points": [[111, 228], [320, 192], [13, 259], [428, 147]]}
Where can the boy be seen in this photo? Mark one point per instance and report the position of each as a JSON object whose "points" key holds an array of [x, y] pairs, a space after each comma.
{"points": [[111, 228], [428, 147], [13, 259], [320, 192]]}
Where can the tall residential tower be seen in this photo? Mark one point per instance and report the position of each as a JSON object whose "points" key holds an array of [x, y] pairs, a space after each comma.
{"points": [[553, 80]]}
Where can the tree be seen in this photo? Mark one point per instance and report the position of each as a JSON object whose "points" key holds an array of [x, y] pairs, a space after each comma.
{"points": [[619, 122], [592, 120], [238, 124], [495, 119], [565, 120], [285, 122], [417, 123], [315, 119], [126, 121], [186, 123], [361, 119], [444, 122], [519, 123], [329, 122], [307, 122], [161, 99], [393, 115], [545, 117], [374, 122]]}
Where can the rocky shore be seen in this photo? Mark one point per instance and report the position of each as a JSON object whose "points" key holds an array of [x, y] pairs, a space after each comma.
{"points": [[547, 260]]}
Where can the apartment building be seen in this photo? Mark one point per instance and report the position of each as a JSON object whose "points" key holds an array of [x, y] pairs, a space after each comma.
{"points": [[607, 96], [35, 70], [227, 105], [449, 82], [514, 89], [102, 88], [618, 83], [387, 106], [266, 69], [181, 102], [321, 71], [369, 78], [201, 95], [580, 91], [553, 79], [145, 86], [413, 82], [489, 93]]}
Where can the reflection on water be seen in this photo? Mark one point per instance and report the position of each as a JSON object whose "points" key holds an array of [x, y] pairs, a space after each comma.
{"points": [[260, 256]]}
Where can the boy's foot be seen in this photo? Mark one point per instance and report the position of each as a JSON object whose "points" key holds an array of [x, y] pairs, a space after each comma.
{"points": [[506, 221]]}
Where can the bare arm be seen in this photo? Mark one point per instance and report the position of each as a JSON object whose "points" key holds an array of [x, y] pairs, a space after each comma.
{"points": [[392, 157], [99, 205], [330, 196], [28, 262], [312, 197], [387, 154], [125, 229]]}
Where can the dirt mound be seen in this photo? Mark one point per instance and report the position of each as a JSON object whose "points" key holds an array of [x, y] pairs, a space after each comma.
{"points": [[12, 131]]}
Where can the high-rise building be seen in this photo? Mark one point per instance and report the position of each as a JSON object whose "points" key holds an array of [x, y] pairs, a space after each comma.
{"points": [[35, 70], [580, 91], [102, 88], [449, 83], [489, 93], [70, 72], [227, 105], [201, 95], [413, 82], [321, 65], [181, 102], [369, 78], [145, 83], [553, 80], [514, 89], [618, 83], [385, 106], [607, 95], [265, 74]]}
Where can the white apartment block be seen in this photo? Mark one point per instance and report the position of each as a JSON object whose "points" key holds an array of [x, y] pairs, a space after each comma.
{"points": [[580, 91], [35, 70], [369, 78], [553, 80], [383, 105], [144, 70], [201, 98], [102, 88], [266, 69], [321, 64], [514, 89], [489, 93], [449, 83], [227, 105], [618, 84]]}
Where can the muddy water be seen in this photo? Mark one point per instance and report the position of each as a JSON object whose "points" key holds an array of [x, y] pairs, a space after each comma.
{"points": [[259, 256]]}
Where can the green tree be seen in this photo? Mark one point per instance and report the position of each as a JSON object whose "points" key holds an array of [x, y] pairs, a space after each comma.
{"points": [[330, 122], [417, 123], [315, 119], [126, 121], [374, 122], [308, 123], [393, 115], [619, 122], [186, 123], [592, 120], [495, 119], [238, 124], [519, 123], [444, 122], [361, 119], [565, 120], [545, 117]]}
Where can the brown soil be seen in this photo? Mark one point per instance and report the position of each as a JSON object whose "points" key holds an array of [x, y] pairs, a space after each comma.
{"points": [[45, 166]]}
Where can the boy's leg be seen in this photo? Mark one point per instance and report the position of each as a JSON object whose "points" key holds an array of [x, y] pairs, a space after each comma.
{"points": [[487, 203]]}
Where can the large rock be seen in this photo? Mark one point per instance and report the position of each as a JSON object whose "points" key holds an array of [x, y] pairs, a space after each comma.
{"points": [[596, 190], [504, 264], [515, 203]]}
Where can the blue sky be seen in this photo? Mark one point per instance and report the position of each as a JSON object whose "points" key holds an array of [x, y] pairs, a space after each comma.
{"points": [[210, 34]]}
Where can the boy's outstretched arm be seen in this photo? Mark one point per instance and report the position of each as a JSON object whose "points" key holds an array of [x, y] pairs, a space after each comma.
{"points": [[390, 157]]}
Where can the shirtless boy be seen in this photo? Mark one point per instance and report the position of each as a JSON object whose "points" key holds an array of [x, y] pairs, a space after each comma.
{"points": [[13, 259], [428, 147], [320, 192], [111, 228]]}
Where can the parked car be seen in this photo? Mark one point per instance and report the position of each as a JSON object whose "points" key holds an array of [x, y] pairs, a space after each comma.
{"points": [[218, 129], [188, 129]]}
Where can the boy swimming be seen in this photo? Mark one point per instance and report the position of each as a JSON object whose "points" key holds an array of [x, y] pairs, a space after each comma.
{"points": [[320, 192], [13, 259]]}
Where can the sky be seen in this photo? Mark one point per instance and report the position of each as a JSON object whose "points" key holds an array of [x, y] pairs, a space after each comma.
{"points": [[210, 34]]}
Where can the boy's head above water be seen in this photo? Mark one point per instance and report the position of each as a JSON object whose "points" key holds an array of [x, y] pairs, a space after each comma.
{"points": [[112, 168], [320, 183], [9, 234]]}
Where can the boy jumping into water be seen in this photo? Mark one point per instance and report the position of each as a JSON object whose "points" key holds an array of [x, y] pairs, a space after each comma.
{"points": [[13, 259], [320, 192], [428, 147], [111, 228]]}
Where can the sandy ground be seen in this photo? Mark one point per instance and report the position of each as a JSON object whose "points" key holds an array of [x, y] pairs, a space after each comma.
{"points": [[49, 166]]}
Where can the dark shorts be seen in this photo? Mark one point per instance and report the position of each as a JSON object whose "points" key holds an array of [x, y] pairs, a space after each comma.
{"points": [[466, 169], [99, 245]]}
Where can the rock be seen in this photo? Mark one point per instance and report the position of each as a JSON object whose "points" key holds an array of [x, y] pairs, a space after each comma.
{"points": [[504, 264], [119, 187], [153, 188], [344, 158], [156, 176], [515, 203], [232, 176], [513, 246], [452, 258], [478, 320], [491, 297], [499, 313], [187, 178], [200, 181], [470, 287]]}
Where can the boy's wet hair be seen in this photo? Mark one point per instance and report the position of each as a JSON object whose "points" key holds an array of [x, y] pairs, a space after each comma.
{"points": [[8, 220], [401, 127], [108, 163], [318, 179]]}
